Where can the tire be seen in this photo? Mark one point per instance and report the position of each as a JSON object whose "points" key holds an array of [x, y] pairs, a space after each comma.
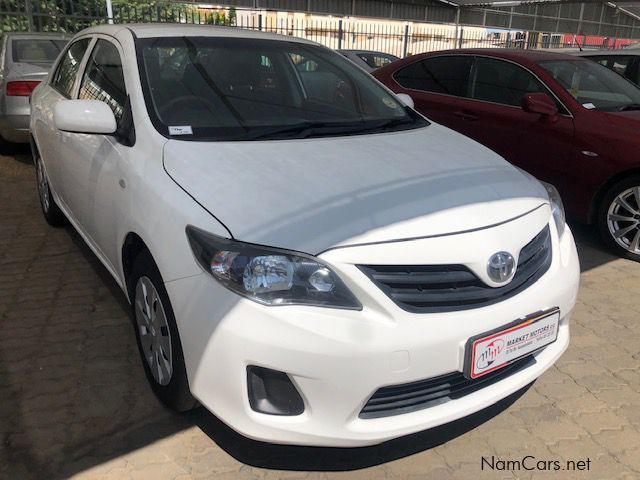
{"points": [[618, 218], [52, 213], [157, 335]]}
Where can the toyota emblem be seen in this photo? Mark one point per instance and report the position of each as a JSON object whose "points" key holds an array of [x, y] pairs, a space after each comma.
{"points": [[501, 267]]}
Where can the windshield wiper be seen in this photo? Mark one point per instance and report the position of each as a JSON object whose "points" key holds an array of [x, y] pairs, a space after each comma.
{"points": [[315, 129], [629, 107], [385, 125], [299, 130]]}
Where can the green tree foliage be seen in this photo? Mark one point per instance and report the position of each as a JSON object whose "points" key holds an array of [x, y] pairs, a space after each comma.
{"points": [[221, 17], [70, 16]]}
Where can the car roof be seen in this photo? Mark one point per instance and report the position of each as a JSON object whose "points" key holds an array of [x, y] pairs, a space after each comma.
{"points": [[609, 53], [154, 30], [511, 54], [347, 50]]}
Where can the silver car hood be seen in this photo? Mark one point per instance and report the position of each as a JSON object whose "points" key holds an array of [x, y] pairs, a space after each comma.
{"points": [[314, 194]]}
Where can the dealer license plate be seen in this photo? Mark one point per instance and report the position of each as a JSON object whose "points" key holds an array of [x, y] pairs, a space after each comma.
{"points": [[493, 350]]}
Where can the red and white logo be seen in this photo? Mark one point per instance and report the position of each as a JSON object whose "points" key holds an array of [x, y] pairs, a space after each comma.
{"points": [[489, 354]]}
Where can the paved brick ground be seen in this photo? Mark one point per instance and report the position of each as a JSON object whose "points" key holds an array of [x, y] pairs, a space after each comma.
{"points": [[74, 401]]}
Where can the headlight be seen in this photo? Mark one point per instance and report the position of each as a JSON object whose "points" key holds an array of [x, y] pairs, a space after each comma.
{"points": [[556, 207], [270, 276]]}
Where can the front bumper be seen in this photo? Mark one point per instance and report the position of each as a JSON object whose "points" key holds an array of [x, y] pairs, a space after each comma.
{"points": [[338, 358]]}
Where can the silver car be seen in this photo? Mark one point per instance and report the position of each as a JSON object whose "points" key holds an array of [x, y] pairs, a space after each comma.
{"points": [[25, 60], [626, 61]]}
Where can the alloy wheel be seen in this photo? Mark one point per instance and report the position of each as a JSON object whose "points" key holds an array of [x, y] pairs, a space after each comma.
{"points": [[43, 185], [153, 328], [623, 219]]}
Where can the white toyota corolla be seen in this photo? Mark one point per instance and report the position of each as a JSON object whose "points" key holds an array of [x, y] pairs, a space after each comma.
{"points": [[306, 256]]}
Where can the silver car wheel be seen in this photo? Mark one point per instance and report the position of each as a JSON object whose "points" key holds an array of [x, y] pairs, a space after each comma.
{"points": [[153, 328], [43, 185], [623, 219]]}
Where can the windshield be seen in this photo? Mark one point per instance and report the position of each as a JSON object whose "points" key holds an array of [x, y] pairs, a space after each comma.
{"points": [[594, 86], [36, 50], [214, 88]]}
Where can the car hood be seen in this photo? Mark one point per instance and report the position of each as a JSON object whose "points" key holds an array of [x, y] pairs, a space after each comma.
{"points": [[630, 118], [314, 194]]}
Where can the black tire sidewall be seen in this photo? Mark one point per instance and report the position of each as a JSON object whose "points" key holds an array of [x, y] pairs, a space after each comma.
{"points": [[176, 394], [601, 219], [53, 215]]}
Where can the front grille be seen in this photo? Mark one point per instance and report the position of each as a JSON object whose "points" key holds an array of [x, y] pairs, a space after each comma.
{"points": [[409, 397], [445, 288]]}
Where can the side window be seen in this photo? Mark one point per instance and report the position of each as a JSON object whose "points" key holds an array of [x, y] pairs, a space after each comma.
{"points": [[67, 70], [103, 78], [620, 64], [448, 75], [617, 63], [502, 82], [375, 60], [604, 61]]}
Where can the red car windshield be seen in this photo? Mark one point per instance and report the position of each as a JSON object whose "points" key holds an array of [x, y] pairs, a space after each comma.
{"points": [[594, 86]]}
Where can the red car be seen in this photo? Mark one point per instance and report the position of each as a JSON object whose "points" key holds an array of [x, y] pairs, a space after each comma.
{"points": [[566, 120]]}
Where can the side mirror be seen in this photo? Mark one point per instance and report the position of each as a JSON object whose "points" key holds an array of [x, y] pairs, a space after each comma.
{"points": [[540, 103], [405, 99], [84, 116]]}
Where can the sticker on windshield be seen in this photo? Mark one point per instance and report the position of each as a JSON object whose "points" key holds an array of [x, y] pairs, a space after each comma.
{"points": [[180, 130], [590, 106], [389, 102]]}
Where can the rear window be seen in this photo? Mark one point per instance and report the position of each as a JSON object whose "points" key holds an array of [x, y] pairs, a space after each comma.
{"points": [[34, 50]]}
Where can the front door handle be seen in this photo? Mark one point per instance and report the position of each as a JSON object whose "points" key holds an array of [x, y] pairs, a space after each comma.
{"points": [[466, 115]]}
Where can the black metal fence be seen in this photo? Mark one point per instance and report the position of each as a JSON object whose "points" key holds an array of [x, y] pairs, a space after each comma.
{"points": [[397, 38]]}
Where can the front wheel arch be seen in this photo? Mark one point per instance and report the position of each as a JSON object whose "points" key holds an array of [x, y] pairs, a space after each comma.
{"points": [[35, 151], [606, 188], [176, 393], [132, 246], [628, 229]]}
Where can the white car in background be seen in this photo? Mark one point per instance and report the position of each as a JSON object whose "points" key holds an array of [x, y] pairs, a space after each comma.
{"points": [[310, 259], [626, 61]]}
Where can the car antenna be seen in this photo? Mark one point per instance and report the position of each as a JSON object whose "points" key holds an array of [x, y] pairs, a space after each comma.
{"points": [[575, 39]]}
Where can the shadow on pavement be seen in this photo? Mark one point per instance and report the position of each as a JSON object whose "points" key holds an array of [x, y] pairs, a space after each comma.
{"points": [[16, 150], [591, 251]]}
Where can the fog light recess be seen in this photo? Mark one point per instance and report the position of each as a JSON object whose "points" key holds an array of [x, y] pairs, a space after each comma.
{"points": [[272, 392]]}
